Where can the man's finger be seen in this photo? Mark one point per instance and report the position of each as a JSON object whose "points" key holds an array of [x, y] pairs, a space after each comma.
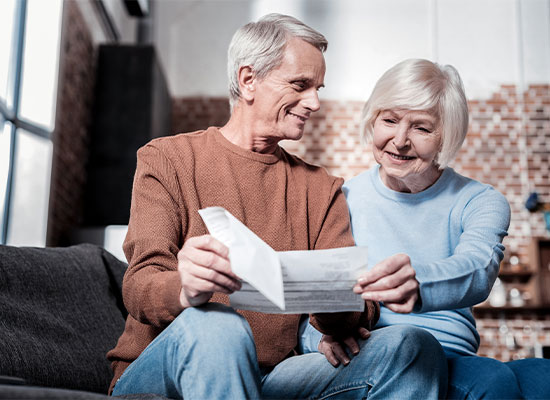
{"points": [[208, 242], [352, 345], [196, 287], [214, 277], [340, 353], [207, 259], [364, 333], [326, 349]]}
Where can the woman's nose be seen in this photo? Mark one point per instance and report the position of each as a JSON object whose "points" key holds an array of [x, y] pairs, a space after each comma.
{"points": [[401, 138]]}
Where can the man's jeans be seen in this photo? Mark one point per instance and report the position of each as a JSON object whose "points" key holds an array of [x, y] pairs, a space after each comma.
{"points": [[208, 352]]}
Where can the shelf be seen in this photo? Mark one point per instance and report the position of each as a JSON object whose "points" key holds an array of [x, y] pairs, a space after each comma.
{"points": [[483, 309], [516, 277], [530, 280], [525, 274]]}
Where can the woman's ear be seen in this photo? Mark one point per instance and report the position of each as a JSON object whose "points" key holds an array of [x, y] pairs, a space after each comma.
{"points": [[247, 83]]}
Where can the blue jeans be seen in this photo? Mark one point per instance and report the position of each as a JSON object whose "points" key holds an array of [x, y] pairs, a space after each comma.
{"points": [[473, 377], [209, 352]]}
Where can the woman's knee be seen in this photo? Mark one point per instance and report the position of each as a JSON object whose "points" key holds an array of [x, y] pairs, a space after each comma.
{"points": [[533, 377], [482, 369], [481, 377]]}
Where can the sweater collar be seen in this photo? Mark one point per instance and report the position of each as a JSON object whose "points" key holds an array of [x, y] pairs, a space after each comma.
{"points": [[400, 196], [251, 155]]}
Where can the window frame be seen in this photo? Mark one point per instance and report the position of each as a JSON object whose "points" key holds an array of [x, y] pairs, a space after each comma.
{"points": [[11, 116]]}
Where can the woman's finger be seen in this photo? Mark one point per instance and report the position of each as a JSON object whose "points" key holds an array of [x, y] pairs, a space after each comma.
{"points": [[384, 268], [394, 280], [400, 294]]}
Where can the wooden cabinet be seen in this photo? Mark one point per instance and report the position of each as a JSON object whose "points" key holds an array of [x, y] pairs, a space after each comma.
{"points": [[526, 287], [539, 259]]}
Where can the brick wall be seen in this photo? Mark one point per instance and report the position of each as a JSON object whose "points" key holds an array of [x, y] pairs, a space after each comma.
{"points": [[72, 126], [507, 146]]}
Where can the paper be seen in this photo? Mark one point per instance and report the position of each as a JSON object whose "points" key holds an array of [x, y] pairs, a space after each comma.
{"points": [[251, 258], [296, 282]]}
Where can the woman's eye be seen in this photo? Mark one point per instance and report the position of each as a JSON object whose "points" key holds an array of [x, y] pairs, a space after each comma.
{"points": [[422, 129]]}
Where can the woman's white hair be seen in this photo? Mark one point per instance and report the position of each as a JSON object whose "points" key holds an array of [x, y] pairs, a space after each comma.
{"points": [[417, 84], [260, 45]]}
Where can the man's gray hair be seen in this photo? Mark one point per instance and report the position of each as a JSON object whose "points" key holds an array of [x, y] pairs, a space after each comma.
{"points": [[260, 45], [417, 84]]}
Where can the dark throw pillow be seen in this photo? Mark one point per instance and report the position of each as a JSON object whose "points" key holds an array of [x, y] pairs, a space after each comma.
{"points": [[60, 312]]}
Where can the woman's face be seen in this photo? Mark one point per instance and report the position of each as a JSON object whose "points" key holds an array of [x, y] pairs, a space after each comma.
{"points": [[405, 145]]}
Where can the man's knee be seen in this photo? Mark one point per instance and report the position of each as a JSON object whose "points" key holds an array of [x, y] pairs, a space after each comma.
{"points": [[212, 324], [411, 339]]}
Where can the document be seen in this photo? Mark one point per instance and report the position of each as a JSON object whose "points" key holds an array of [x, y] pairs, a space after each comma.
{"points": [[292, 282]]}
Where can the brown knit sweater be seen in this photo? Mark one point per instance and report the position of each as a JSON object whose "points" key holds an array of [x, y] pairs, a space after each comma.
{"points": [[290, 204]]}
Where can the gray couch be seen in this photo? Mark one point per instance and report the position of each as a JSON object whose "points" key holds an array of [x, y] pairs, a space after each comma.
{"points": [[61, 310]]}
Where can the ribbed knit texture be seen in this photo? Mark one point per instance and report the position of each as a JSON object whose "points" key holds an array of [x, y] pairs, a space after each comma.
{"points": [[291, 205]]}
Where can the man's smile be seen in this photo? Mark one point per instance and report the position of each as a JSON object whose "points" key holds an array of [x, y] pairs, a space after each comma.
{"points": [[303, 119]]}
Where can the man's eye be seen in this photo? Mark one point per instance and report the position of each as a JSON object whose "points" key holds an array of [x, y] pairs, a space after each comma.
{"points": [[299, 85], [389, 121]]}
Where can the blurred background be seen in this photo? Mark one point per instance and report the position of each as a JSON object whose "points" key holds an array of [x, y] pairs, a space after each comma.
{"points": [[85, 83]]}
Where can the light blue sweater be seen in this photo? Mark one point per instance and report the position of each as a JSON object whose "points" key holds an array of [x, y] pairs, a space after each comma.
{"points": [[452, 232]]}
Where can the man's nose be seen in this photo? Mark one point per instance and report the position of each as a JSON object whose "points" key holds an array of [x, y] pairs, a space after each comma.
{"points": [[311, 100]]}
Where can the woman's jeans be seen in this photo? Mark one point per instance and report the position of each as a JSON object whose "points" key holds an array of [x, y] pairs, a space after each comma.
{"points": [[208, 352], [473, 377]]}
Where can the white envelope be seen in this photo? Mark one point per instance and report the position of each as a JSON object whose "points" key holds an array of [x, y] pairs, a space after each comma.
{"points": [[251, 258]]}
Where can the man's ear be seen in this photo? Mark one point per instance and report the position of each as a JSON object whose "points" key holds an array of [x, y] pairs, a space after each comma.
{"points": [[247, 83]]}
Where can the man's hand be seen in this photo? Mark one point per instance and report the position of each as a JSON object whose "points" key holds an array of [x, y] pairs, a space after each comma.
{"points": [[392, 281], [204, 268], [335, 350]]}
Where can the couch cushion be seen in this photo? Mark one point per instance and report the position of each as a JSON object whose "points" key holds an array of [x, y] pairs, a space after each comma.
{"points": [[11, 392], [60, 312]]}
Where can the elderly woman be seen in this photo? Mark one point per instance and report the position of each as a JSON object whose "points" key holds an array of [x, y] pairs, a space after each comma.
{"points": [[434, 236]]}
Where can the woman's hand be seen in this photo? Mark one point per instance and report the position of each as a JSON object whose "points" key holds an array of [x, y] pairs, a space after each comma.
{"points": [[204, 268], [392, 281], [335, 350]]}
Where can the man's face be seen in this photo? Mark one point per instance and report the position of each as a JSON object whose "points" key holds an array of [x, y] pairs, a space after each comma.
{"points": [[286, 97]]}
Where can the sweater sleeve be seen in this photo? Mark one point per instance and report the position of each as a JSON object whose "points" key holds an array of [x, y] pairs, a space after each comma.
{"points": [[336, 232], [467, 276], [151, 284]]}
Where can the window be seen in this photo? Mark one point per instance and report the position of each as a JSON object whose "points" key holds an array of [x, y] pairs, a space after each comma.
{"points": [[29, 39]]}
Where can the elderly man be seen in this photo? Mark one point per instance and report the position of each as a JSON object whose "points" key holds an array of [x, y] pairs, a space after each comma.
{"points": [[181, 338]]}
